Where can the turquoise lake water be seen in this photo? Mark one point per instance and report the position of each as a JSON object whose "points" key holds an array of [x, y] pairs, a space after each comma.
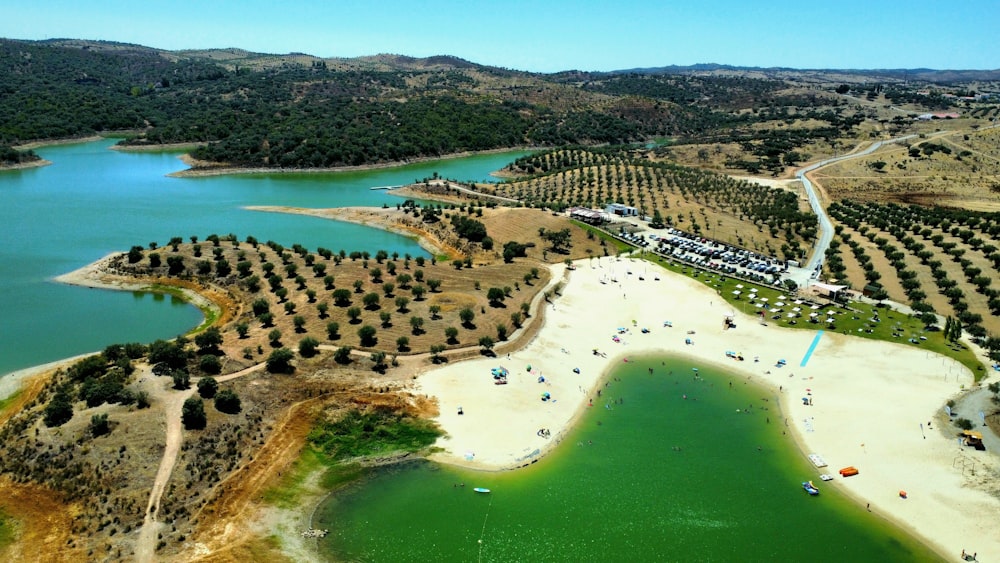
{"points": [[92, 201], [657, 478]]}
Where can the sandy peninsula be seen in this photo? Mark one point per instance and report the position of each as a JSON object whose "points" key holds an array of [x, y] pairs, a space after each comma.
{"points": [[876, 406]]}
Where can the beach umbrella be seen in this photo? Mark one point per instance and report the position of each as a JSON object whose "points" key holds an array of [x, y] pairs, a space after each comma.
{"points": [[798, 301], [753, 290], [782, 297], [790, 315], [814, 307], [764, 299], [830, 320], [831, 312], [737, 292], [779, 303], [813, 315], [758, 304], [796, 309], [739, 285]]}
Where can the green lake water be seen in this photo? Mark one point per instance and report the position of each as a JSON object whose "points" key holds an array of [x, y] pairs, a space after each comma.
{"points": [[92, 201], [616, 489]]}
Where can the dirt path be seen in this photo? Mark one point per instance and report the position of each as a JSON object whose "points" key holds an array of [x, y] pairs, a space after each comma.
{"points": [[173, 402]]}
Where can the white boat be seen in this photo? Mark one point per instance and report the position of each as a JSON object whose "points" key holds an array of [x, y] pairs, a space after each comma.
{"points": [[481, 490]]}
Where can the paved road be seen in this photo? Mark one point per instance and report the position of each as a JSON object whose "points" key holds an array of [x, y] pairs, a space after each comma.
{"points": [[825, 226]]}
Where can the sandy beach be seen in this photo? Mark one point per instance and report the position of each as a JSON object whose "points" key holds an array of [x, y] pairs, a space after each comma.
{"points": [[876, 406]]}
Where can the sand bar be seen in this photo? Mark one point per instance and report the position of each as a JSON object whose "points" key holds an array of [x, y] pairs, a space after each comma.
{"points": [[872, 401]]}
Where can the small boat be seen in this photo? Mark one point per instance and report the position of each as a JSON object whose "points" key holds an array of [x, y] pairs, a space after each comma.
{"points": [[481, 490], [810, 488]]}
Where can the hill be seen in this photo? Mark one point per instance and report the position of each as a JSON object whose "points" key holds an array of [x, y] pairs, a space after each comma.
{"points": [[297, 110]]}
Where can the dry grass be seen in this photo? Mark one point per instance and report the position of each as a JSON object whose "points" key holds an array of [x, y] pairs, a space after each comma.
{"points": [[711, 205], [969, 182]]}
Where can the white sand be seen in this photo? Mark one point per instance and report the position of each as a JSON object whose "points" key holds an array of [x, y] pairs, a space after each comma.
{"points": [[870, 398]]}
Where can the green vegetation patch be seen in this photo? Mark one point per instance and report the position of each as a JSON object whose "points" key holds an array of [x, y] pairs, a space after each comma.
{"points": [[210, 313], [378, 432], [619, 245], [857, 319], [6, 401], [6, 530], [295, 483]]}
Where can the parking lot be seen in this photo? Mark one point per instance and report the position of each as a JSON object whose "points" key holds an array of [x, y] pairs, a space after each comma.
{"points": [[711, 255]]}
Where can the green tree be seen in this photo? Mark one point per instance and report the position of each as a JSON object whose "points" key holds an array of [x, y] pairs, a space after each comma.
{"points": [[182, 379], [228, 402], [280, 361], [371, 301], [436, 350], [274, 337], [99, 425], [401, 303], [210, 363], [403, 343], [207, 387], [342, 355], [59, 411], [332, 330], [495, 296], [486, 343], [417, 324], [342, 297], [366, 335], [354, 313], [193, 414], [242, 329], [451, 333], [467, 315], [208, 340], [308, 347]]}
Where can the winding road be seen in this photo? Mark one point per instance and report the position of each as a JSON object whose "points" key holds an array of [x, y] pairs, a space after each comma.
{"points": [[825, 226]]}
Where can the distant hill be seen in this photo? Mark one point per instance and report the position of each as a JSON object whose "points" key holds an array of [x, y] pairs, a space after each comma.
{"points": [[297, 110], [901, 74]]}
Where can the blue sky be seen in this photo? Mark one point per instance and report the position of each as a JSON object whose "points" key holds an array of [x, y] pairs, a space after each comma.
{"points": [[548, 35]]}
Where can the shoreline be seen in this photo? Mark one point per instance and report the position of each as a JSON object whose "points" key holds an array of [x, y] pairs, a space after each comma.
{"points": [[374, 217], [870, 396], [96, 276], [215, 169], [26, 165]]}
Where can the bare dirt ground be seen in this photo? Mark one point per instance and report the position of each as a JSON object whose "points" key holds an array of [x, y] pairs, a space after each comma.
{"points": [[43, 524], [967, 177]]}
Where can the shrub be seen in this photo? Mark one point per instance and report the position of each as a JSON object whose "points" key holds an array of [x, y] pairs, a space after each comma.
{"points": [[228, 402], [207, 386], [210, 364], [193, 414], [280, 361]]}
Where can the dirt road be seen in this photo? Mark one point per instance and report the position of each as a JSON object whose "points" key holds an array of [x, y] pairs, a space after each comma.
{"points": [[172, 401]]}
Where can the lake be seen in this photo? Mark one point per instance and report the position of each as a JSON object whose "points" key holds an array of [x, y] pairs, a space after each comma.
{"points": [[93, 201], [655, 477]]}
